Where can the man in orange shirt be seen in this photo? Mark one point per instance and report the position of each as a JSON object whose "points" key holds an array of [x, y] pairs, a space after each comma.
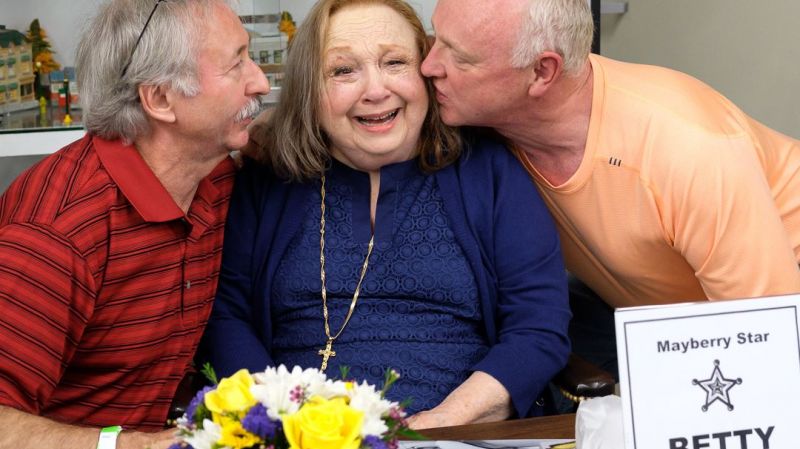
{"points": [[662, 189]]}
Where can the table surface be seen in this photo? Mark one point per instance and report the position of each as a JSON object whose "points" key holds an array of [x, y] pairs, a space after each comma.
{"points": [[547, 427]]}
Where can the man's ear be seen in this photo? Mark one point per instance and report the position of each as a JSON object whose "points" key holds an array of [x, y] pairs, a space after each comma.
{"points": [[157, 102], [544, 73]]}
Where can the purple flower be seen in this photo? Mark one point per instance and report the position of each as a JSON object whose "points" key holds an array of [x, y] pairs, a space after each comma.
{"points": [[258, 423], [375, 442], [196, 400], [180, 446]]}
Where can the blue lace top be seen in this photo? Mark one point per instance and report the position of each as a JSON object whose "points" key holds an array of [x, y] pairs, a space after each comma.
{"points": [[504, 234], [418, 311]]}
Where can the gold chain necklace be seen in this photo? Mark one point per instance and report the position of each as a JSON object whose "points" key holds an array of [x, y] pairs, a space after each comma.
{"points": [[328, 351]]}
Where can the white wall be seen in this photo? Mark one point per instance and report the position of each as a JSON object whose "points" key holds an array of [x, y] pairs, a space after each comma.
{"points": [[61, 19], [748, 50]]}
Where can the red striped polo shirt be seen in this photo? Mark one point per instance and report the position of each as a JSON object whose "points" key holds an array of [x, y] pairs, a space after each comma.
{"points": [[105, 285]]}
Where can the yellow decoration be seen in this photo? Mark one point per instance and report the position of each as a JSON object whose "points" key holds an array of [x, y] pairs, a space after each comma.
{"points": [[42, 52], [44, 62], [324, 424], [234, 436], [67, 120], [232, 395], [287, 25]]}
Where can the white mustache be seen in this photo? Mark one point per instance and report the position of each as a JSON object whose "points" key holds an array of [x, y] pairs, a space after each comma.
{"points": [[250, 110]]}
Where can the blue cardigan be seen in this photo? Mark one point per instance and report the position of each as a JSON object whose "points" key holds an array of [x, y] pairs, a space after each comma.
{"points": [[498, 218]]}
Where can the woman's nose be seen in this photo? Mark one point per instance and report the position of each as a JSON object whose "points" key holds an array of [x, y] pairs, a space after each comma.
{"points": [[376, 89]]}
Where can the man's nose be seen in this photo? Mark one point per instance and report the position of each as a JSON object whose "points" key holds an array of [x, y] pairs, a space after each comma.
{"points": [[431, 67], [258, 83]]}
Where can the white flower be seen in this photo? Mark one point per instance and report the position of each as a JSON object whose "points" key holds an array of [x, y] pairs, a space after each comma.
{"points": [[329, 389], [277, 388], [183, 422], [363, 397], [206, 437]]}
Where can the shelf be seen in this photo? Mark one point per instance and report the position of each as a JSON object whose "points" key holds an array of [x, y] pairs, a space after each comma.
{"points": [[31, 119], [613, 7], [271, 68]]}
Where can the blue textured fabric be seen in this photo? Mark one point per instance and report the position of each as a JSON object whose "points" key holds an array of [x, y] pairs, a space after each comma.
{"points": [[418, 311], [500, 223]]}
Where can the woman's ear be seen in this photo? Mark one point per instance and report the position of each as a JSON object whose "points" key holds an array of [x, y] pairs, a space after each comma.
{"points": [[544, 73], [157, 102]]}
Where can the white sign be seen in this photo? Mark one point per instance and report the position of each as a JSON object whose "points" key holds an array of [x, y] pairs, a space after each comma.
{"points": [[711, 375]]}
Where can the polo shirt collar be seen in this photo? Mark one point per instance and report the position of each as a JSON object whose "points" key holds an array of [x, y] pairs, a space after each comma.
{"points": [[136, 181]]}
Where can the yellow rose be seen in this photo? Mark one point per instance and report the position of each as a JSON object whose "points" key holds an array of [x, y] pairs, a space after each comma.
{"points": [[232, 394], [234, 436], [324, 424]]}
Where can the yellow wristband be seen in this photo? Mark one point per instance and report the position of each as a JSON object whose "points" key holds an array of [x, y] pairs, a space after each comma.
{"points": [[108, 437]]}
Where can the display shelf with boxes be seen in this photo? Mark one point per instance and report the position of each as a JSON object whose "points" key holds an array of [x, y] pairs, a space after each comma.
{"points": [[270, 28]]}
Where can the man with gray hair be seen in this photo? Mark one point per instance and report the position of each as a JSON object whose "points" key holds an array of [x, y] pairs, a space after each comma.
{"points": [[110, 247], [663, 190]]}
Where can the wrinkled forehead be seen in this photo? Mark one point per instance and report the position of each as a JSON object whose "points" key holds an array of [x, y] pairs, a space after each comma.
{"points": [[367, 25], [488, 15], [221, 28], [478, 24]]}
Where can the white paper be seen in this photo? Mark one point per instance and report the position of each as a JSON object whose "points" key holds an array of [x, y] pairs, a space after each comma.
{"points": [[711, 375], [483, 444]]}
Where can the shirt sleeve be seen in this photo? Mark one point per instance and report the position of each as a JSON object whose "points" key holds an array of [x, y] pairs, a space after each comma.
{"points": [[47, 296], [532, 309], [719, 213], [231, 340]]}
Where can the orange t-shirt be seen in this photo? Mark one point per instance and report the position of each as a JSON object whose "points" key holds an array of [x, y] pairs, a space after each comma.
{"points": [[680, 196]]}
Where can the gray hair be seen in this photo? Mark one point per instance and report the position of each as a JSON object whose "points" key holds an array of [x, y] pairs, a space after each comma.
{"points": [[563, 26], [165, 56]]}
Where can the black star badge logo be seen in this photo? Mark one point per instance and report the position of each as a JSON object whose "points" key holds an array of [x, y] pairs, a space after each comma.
{"points": [[717, 387]]}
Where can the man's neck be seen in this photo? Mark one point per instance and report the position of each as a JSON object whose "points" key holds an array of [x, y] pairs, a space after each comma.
{"points": [[553, 131], [178, 165]]}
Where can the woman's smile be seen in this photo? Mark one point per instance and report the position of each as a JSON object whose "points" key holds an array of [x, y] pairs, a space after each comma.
{"points": [[378, 122]]}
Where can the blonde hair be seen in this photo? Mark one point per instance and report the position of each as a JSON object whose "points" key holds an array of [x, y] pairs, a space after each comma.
{"points": [[292, 140]]}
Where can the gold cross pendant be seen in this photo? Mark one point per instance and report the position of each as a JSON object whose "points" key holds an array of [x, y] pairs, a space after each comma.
{"points": [[326, 354]]}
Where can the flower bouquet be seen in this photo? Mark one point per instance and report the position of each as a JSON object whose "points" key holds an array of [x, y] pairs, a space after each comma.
{"points": [[297, 409]]}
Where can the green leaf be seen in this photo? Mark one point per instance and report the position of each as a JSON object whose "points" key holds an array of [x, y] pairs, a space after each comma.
{"points": [[208, 371], [409, 434], [389, 378], [201, 413]]}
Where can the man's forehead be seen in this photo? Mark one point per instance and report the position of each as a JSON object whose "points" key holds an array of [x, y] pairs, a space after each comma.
{"points": [[460, 26], [474, 15], [223, 39], [480, 8]]}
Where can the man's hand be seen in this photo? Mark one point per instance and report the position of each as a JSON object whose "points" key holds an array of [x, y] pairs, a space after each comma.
{"points": [[34, 432]]}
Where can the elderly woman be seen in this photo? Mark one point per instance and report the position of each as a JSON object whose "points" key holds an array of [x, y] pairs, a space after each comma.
{"points": [[367, 239]]}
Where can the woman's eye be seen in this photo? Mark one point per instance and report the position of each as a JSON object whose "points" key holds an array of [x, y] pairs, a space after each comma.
{"points": [[338, 71], [396, 62]]}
